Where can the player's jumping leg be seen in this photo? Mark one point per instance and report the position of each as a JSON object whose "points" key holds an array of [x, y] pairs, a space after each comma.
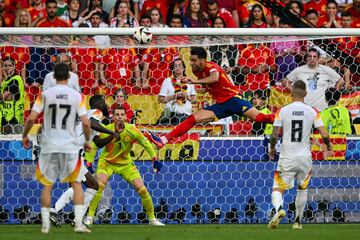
{"points": [[102, 180], [146, 201], [300, 202], [92, 187], [257, 116], [200, 116], [65, 198], [277, 201]]}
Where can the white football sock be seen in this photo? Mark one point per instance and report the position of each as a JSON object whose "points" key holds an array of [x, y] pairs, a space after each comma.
{"points": [[64, 199], [88, 196], [45, 217], [79, 214], [277, 200], [164, 139], [300, 202]]}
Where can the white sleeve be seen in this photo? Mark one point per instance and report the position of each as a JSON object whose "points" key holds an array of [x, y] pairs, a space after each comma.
{"points": [[278, 119], [334, 76], [191, 90], [164, 91], [39, 103], [81, 110], [317, 120], [47, 82], [76, 82], [292, 76]]}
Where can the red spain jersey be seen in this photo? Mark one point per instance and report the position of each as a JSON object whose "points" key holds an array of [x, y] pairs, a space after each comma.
{"points": [[85, 59], [58, 22], [222, 90], [20, 54], [34, 13], [320, 7], [252, 57], [119, 65]]}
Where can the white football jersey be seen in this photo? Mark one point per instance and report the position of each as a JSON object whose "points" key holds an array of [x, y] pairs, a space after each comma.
{"points": [[72, 82], [296, 121], [92, 113], [61, 105]]}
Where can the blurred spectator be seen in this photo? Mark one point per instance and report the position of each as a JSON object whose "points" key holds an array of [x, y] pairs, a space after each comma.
{"points": [[7, 15], [354, 9], [97, 6], [95, 22], [160, 4], [21, 56], [194, 15], [62, 7], [145, 20], [83, 6], [86, 63], [177, 7], [348, 22], [317, 77], [2, 22], [73, 81], [37, 10], [256, 62], [12, 99], [260, 102], [229, 5], [123, 17], [312, 16], [214, 11], [244, 9], [51, 20], [336, 118], [157, 67], [177, 96], [257, 18], [285, 53], [134, 9], [23, 18], [72, 14], [296, 7], [226, 56], [318, 5], [176, 21], [157, 19], [330, 19], [120, 98], [117, 67]]}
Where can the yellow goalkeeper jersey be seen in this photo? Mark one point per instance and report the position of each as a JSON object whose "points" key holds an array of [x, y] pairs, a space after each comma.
{"points": [[118, 151]]}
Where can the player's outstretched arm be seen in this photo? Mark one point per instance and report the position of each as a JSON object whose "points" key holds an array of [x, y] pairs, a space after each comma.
{"points": [[102, 142], [95, 125], [273, 141], [325, 136], [86, 129], [28, 125]]}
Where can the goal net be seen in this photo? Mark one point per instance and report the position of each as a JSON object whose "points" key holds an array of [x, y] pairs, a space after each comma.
{"points": [[219, 172]]}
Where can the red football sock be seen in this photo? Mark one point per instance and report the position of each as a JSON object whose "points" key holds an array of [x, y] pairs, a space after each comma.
{"points": [[265, 118], [182, 128]]}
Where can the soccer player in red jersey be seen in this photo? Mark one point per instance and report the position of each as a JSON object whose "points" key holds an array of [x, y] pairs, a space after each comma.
{"points": [[52, 20], [226, 96]]}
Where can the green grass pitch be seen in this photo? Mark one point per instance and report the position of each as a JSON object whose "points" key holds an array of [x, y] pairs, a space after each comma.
{"points": [[187, 232]]}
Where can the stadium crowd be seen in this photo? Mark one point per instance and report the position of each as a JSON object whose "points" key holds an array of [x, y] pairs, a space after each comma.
{"points": [[103, 69]]}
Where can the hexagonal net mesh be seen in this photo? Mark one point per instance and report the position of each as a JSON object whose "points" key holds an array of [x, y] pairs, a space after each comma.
{"points": [[218, 172]]}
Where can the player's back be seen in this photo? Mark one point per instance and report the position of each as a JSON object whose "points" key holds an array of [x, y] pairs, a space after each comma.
{"points": [[296, 120], [60, 106]]}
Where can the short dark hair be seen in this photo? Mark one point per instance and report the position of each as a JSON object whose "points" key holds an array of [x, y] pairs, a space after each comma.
{"points": [[223, 21], [50, 1], [95, 101], [200, 52], [332, 96], [61, 71], [346, 14], [311, 11], [332, 1], [145, 16], [118, 108], [83, 25], [177, 16], [312, 50], [211, 2]]}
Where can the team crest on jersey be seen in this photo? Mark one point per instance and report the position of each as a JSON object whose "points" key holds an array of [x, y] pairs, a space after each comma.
{"points": [[127, 139]]}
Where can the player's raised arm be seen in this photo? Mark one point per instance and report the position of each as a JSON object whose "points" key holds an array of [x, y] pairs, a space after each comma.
{"points": [[273, 141]]}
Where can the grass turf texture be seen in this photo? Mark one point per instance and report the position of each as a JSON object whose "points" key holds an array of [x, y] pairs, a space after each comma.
{"points": [[186, 232]]}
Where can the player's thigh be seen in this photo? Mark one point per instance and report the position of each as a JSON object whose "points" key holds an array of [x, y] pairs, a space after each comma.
{"points": [[70, 167], [47, 170], [204, 115], [304, 173], [104, 168], [284, 176], [129, 172]]}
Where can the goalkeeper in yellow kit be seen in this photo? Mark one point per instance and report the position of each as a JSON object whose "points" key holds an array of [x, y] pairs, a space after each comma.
{"points": [[115, 158]]}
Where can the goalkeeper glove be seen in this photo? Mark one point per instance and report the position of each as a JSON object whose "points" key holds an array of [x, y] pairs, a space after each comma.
{"points": [[89, 167], [157, 165]]}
